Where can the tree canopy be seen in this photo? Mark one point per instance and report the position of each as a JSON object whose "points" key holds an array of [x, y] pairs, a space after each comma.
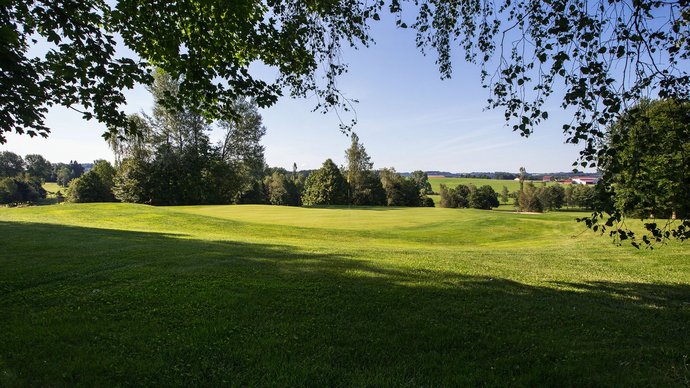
{"points": [[647, 171], [596, 57]]}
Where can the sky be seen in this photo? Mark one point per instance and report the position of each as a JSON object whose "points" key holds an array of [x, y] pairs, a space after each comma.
{"points": [[408, 118]]}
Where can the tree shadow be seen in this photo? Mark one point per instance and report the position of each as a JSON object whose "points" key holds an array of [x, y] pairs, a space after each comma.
{"points": [[91, 306]]}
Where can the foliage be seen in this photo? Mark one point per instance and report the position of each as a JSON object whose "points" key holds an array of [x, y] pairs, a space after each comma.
{"points": [[528, 199], [173, 162], [105, 171], [365, 187], [282, 189], [421, 179], [399, 190], [483, 197], [81, 67], [21, 188], [11, 164], [463, 196], [90, 187], [647, 172], [504, 195], [552, 197], [325, 186], [38, 166], [63, 173], [602, 55], [131, 181]]}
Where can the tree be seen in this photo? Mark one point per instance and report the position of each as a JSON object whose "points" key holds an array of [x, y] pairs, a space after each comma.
{"points": [[603, 55], [89, 188], [483, 197], [528, 200], [38, 166], [11, 164], [131, 181], [241, 147], [551, 197], [105, 171], [421, 179], [505, 195], [647, 170], [399, 191], [20, 189], [325, 186], [365, 187]]}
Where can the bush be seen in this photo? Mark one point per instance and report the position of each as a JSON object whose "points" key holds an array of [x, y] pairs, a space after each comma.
{"points": [[89, 188]]}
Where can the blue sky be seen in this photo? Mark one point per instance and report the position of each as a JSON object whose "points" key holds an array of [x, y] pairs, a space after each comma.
{"points": [[408, 118]]}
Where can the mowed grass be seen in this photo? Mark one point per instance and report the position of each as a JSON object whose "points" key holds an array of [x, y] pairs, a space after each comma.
{"points": [[118, 294], [496, 184]]}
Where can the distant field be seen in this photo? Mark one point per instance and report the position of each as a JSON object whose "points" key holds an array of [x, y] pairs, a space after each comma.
{"points": [[120, 295], [496, 184], [53, 187]]}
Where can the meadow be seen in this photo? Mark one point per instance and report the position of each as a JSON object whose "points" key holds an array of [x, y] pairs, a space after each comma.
{"points": [[122, 294], [496, 184]]}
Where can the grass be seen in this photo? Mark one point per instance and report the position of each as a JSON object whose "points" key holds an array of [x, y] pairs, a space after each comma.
{"points": [[496, 184], [117, 294], [52, 188]]}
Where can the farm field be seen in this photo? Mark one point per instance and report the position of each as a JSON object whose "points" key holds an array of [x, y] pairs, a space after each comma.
{"points": [[121, 294]]}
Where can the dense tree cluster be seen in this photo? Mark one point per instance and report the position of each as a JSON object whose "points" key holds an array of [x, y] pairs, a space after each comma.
{"points": [[359, 184], [469, 196], [647, 172], [21, 179], [94, 186], [173, 161]]}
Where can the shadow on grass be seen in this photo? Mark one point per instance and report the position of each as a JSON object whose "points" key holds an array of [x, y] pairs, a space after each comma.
{"points": [[106, 307]]}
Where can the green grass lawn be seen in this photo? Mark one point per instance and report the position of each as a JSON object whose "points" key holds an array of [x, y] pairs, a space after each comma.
{"points": [[496, 184], [52, 188], [118, 294]]}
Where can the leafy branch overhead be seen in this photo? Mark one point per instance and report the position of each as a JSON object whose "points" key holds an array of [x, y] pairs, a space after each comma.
{"points": [[597, 57]]}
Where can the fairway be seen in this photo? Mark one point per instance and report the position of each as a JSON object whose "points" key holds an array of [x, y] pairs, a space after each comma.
{"points": [[250, 295]]}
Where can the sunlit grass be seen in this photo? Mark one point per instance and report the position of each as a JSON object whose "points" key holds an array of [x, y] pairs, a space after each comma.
{"points": [[117, 294]]}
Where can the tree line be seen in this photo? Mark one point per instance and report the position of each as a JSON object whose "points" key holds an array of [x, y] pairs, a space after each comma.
{"points": [[172, 161]]}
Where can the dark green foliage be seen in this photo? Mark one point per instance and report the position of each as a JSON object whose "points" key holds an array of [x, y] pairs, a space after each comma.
{"points": [[38, 166], [282, 189], [650, 166], [464, 196], [11, 164], [105, 171], [63, 173], [399, 190], [421, 179], [552, 197], [365, 187], [131, 182], [21, 189], [325, 186], [174, 163], [89, 188], [94, 186], [455, 197], [505, 195], [528, 199], [483, 197], [646, 173]]}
